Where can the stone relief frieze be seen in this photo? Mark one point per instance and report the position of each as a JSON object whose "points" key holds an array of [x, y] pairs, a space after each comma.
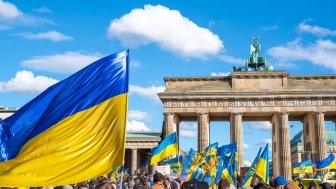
{"points": [[250, 103]]}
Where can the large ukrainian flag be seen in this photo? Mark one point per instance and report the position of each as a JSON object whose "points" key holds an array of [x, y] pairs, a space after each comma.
{"points": [[71, 132], [166, 148]]}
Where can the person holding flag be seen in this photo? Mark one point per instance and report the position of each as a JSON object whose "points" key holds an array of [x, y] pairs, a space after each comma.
{"points": [[249, 176]]}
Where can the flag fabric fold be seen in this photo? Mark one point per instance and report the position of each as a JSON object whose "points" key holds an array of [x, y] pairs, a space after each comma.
{"points": [[73, 131], [166, 148], [249, 175], [262, 168], [303, 167], [325, 163]]}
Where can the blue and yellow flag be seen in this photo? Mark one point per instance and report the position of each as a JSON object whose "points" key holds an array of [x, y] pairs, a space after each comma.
{"points": [[187, 160], [227, 149], [262, 168], [166, 148], [249, 175], [325, 163], [230, 169], [303, 167], [73, 131]]}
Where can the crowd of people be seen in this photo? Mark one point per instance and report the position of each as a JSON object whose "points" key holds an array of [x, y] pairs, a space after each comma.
{"points": [[159, 181]]}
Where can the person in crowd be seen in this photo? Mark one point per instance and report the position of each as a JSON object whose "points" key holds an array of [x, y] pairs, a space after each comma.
{"points": [[166, 183], [131, 182], [104, 185], [174, 184], [83, 186], [280, 182], [158, 181], [324, 184], [151, 179], [142, 184], [255, 181], [262, 186], [300, 183], [312, 185], [224, 184], [125, 184]]}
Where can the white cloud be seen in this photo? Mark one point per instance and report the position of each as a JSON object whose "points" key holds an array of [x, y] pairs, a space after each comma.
{"points": [[269, 28], [188, 126], [264, 142], [134, 125], [68, 62], [42, 10], [230, 59], [168, 29], [245, 146], [188, 130], [135, 64], [50, 35], [321, 53], [220, 73], [139, 115], [247, 163], [147, 92], [315, 30], [4, 27], [8, 11], [26, 81], [188, 134], [260, 125]]}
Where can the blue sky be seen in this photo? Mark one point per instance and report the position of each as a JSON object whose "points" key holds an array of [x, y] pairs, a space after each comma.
{"points": [[42, 42]]}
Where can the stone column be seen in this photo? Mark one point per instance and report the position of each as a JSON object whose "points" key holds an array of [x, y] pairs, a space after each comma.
{"points": [[284, 147], [236, 135], [275, 145], [321, 138], [170, 123], [309, 137], [203, 130], [134, 161]]}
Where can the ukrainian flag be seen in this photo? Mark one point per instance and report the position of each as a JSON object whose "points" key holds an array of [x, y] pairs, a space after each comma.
{"points": [[325, 163], [73, 131], [230, 169], [249, 175], [166, 148], [262, 168], [303, 167]]}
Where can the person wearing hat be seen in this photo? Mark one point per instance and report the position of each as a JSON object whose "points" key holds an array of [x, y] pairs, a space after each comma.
{"points": [[280, 182]]}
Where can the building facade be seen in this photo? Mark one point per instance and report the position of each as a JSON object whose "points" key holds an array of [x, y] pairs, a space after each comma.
{"points": [[298, 153], [274, 96]]}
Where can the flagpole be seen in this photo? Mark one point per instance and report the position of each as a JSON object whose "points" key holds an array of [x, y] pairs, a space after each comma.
{"points": [[178, 152], [121, 178]]}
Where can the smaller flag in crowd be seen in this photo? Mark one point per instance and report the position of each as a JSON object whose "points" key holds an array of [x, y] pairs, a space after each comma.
{"points": [[262, 168], [166, 148], [325, 163], [303, 167], [249, 175]]}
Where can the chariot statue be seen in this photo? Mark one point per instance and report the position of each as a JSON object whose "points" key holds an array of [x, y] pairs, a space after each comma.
{"points": [[254, 62]]}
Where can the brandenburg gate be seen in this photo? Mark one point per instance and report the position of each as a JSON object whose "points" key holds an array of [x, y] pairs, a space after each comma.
{"points": [[255, 93]]}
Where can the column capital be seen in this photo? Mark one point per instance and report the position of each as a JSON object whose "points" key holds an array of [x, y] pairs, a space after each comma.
{"points": [[319, 112], [168, 113], [283, 113], [236, 113], [202, 113]]}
